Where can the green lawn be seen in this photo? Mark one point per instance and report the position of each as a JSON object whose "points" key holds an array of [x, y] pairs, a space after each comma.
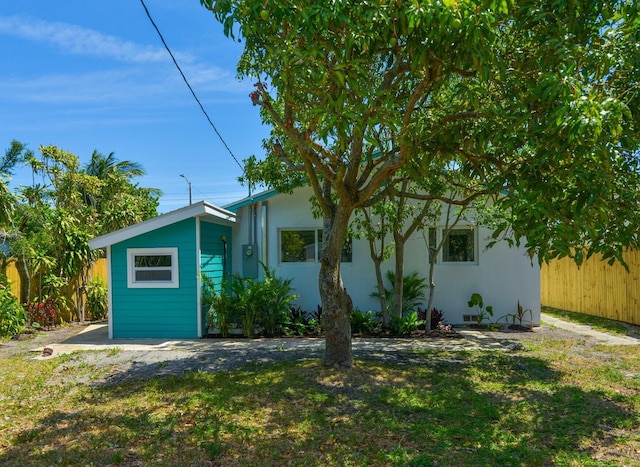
{"points": [[555, 403]]}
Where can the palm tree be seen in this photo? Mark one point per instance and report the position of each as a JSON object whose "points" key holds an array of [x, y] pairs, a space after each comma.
{"points": [[100, 166]]}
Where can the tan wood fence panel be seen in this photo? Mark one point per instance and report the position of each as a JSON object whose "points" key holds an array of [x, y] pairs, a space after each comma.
{"points": [[12, 274], [99, 269], [595, 288]]}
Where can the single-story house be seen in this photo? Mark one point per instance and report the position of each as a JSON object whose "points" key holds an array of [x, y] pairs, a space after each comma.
{"points": [[155, 267]]}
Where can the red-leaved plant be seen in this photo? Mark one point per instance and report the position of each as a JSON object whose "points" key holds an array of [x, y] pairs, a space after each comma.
{"points": [[42, 313]]}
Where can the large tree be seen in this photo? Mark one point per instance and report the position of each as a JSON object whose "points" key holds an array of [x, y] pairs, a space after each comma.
{"points": [[536, 100], [54, 219]]}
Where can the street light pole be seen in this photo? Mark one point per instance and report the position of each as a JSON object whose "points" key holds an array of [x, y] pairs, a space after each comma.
{"points": [[189, 183]]}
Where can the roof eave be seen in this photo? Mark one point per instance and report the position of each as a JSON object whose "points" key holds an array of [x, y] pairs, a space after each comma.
{"points": [[200, 209]]}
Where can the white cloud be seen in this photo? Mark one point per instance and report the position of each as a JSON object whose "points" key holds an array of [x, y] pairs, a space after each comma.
{"points": [[81, 41]]}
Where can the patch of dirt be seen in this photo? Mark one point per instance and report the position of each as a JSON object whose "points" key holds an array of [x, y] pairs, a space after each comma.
{"points": [[39, 338]]}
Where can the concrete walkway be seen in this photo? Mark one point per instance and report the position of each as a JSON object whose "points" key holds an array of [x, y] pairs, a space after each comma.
{"points": [[95, 337], [586, 330]]}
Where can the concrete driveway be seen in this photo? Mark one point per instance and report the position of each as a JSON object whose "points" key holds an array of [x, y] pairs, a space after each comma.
{"points": [[95, 337]]}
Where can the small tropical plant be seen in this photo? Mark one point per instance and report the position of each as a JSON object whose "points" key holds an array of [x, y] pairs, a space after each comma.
{"points": [[42, 313], [436, 317], [442, 327], [275, 296], [413, 287], [255, 303], [362, 322], [297, 322], [483, 313], [403, 326], [12, 316], [220, 312], [244, 296], [97, 299], [520, 316], [314, 326]]}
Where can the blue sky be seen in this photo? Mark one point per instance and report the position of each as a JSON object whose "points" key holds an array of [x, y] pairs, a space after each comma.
{"points": [[89, 75]]}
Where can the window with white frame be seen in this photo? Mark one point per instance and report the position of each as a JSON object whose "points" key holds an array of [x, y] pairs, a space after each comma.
{"points": [[305, 246], [459, 245], [152, 268]]}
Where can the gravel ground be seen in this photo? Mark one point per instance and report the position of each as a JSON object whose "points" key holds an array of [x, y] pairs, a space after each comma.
{"points": [[115, 365]]}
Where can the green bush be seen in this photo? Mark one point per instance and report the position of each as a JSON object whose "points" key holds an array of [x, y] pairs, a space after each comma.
{"points": [[12, 316], [413, 288], [362, 322], [42, 313], [405, 325], [97, 299], [255, 303], [221, 314], [275, 296]]}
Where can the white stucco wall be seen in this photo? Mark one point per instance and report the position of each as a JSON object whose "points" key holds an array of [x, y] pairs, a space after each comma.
{"points": [[502, 275]]}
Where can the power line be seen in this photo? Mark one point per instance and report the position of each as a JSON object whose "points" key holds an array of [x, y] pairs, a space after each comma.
{"points": [[184, 78]]}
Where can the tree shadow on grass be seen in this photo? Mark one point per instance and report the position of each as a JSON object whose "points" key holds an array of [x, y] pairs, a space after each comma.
{"points": [[449, 408]]}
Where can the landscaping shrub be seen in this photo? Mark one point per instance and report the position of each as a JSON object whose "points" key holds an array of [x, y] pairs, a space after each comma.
{"points": [[413, 287], [298, 323], [275, 295], [303, 323], [97, 299], [254, 303], [436, 318], [362, 322], [12, 315], [42, 313], [405, 325]]}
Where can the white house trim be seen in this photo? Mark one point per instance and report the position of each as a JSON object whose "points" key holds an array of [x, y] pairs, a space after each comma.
{"points": [[109, 294], [198, 278], [201, 208]]}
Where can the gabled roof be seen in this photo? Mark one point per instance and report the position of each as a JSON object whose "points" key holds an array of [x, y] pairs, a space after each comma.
{"points": [[201, 209], [233, 207]]}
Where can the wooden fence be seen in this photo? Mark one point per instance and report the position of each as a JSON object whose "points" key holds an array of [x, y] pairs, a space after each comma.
{"points": [[99, 269], [595, 288]]}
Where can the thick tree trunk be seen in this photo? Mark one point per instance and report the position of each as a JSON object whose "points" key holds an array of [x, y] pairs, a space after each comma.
{"points": [[336, 303]]}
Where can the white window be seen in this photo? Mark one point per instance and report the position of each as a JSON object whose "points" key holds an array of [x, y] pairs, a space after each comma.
{"points": [[305, 246], [459, 246], [152, 268]]}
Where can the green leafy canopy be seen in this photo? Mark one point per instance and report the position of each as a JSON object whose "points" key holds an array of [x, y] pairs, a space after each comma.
{"points": [[536, 102]]}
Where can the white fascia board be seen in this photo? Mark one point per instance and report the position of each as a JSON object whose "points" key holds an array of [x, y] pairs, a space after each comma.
{"points": [[201, 208]]}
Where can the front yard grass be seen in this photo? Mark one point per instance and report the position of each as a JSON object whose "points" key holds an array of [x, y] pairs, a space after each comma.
{"points": [[555, 403]]}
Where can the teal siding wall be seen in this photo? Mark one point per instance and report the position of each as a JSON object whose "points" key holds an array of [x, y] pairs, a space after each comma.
{"points": [[157, 312], [215, 262]]}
